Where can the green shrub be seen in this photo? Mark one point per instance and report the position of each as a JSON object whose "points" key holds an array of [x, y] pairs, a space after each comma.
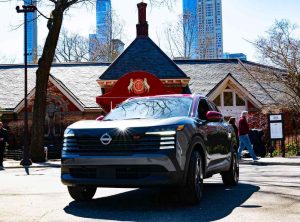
{"points": [[276, 152], [293, 148]]}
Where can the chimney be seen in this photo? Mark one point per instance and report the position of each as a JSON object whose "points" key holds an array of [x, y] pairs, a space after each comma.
{"points": [[142, 26]]}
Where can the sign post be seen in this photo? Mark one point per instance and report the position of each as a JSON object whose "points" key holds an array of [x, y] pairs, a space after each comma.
{"points": [[276, 129]]}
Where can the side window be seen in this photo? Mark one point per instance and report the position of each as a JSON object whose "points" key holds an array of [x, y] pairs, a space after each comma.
{"points": [[203, 108], [213, 106]]}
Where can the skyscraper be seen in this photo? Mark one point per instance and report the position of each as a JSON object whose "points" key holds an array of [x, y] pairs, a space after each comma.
{"points": [[208, 41], [103, 19], [190, 13], [102, 37], [31, 33]]}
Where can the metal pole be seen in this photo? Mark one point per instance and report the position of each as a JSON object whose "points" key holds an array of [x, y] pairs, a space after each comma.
{"points": [[283, 148], [26, 160]]}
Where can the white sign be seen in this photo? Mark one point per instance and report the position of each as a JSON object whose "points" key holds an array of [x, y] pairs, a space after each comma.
{"points": [[276, 130], [275, 117]]}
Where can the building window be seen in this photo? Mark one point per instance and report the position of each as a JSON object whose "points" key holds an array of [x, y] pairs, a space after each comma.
{"points": [[209, 10], [239, 100], [217, 100], [228, 99]]}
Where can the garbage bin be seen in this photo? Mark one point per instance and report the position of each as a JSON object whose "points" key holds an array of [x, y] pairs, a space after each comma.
{"points": [[256, 138]]}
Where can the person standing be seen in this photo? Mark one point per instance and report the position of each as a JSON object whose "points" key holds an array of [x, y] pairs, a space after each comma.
{"points": [[3, 140], [243, 132], [232, 122]]}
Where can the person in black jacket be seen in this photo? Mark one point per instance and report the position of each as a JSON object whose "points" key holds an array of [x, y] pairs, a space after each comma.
{"points": [[232, 122], [3, 140]]}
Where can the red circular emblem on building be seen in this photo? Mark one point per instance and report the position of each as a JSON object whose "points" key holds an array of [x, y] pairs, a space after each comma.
{"points": [[138, 86]]}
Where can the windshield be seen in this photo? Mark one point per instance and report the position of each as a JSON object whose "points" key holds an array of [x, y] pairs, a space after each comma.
{"points": [[152, 108]]}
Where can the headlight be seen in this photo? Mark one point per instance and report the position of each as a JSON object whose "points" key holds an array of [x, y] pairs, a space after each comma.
{"points": [[69, 133], [165, 130]]}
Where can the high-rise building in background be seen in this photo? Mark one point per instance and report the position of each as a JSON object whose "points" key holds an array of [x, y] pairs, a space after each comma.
{"points": [[208, 43], [190, 13], [31, 33], [240, 56], [102, 37], [103, 20]]}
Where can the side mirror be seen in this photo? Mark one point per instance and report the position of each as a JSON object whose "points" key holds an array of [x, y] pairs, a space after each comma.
{"points": [[99, 118], [214, 116]]}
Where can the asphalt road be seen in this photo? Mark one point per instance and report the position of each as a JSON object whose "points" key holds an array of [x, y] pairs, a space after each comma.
{"points": [[265, 193]]}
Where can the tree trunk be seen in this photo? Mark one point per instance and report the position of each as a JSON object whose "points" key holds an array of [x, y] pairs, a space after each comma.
{"points": [[42, 77]]}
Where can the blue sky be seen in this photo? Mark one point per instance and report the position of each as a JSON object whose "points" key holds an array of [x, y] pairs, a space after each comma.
{"points": [[242, 19]]}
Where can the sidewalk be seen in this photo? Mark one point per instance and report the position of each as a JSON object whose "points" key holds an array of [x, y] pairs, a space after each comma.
{"points": [[292, 161], [11, 164]]}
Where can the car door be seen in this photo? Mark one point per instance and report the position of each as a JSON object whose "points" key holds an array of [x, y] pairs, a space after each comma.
{"points": [[212, 134], [223, 132]]}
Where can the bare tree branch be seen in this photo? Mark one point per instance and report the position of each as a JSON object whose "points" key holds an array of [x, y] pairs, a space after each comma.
{"points": [[180, 35], [281, 49]]}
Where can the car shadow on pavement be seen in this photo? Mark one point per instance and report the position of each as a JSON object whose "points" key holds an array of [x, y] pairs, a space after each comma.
{"points": [[163, 205]]}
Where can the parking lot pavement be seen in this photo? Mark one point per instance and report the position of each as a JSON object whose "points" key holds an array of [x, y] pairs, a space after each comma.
{"points": [[265, 193]]}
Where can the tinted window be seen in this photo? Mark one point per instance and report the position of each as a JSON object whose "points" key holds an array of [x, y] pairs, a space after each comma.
{"points": [[152, 108], [203, 108]]}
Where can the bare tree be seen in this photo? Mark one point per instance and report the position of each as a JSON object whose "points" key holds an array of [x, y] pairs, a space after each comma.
{"points": [[158, 3], [281, 49], [7, 59], [180, 36], [72, 48], [103, 49], [42, 75]]}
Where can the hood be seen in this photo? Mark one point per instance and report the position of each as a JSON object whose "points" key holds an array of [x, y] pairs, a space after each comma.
{"points": [[131, 123]]}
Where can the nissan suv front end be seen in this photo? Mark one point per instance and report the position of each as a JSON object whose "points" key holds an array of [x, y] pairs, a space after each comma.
{"points": [[145, 141]]}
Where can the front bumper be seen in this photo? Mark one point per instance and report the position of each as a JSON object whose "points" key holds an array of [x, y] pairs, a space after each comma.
{"points": [[126, 170]]}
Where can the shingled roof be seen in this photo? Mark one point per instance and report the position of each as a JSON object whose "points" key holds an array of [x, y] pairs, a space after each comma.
{"points": [[143, 55], [206, 74], [79, 80]]}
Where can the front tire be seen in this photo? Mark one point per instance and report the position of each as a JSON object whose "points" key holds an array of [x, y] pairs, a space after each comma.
{"points": [[193, 189], [231, 177], [82, 193]]}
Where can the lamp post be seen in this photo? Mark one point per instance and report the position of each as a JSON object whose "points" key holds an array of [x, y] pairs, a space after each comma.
{"points": [[26, 161]]}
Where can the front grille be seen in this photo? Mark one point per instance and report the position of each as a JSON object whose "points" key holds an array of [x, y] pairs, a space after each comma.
{"points": [[119, 172], [120, 143]]}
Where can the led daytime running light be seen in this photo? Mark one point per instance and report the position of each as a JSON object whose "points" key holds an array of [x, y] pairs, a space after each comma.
{"points": [[166, 132], [69, 135]]}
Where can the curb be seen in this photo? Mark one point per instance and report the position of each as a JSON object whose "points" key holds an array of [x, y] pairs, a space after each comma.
{"points": [[258, 163]]}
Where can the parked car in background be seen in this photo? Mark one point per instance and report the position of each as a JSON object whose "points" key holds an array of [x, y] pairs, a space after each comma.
{"points": [[165, 140]]}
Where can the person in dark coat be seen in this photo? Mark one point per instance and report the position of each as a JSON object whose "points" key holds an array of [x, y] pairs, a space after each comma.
{"points": [[3, 140], [232, 122]]}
